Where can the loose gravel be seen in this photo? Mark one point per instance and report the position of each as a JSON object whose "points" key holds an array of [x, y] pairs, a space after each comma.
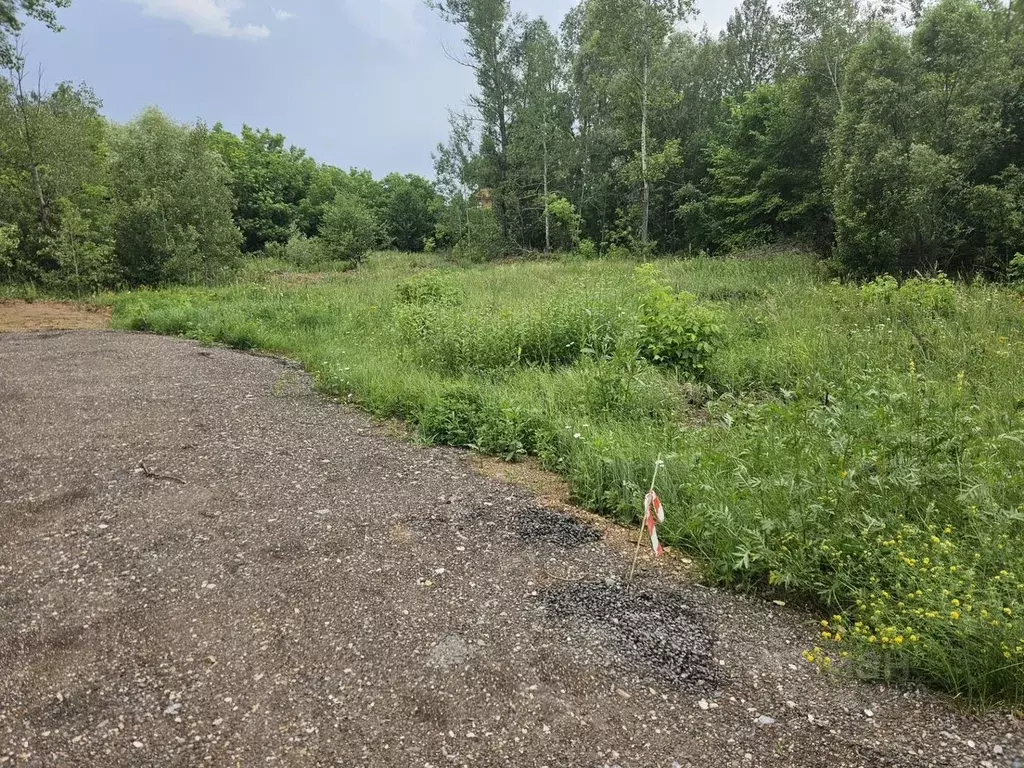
{"points": [[203, 562], [654, 631], [548, 526]]}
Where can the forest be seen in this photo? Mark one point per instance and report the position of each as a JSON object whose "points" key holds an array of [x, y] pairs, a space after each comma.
{"points": [[885, 139]]}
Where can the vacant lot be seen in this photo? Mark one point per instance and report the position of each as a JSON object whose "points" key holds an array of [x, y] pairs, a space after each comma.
{"points": [[204, 561], [858, 446]]}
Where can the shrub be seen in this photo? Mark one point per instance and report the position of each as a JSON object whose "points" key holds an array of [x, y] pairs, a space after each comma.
{"points": [[432, 287], [305, 251], [1016, 269], [936, 295], [587, 249], [350, 229], [673, 329]]}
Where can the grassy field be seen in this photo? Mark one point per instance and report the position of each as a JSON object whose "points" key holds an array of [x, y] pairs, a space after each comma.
{"points": [[860, 447]]}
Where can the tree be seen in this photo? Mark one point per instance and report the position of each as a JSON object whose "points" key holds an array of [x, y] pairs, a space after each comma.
{"points": [[754, 46], [870, 161], [542, 130], [493, 43], [269, 183], [825, 33], [11, 23], [410, 211], [767, 171], [53, 163], [350, 229], [81, 249], [326, 184], [172, 203], [629, 35], [454, 165]]}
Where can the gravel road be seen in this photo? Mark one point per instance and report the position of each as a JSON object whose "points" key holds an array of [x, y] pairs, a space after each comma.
{"points": [[203, 562]]}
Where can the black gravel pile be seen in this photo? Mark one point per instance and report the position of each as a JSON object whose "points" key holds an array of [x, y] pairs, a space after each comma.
{"points": [[537, 524], [657, 631]]}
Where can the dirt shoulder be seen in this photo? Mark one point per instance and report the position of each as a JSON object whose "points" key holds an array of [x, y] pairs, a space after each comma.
{"points": [[18, 315], [202, 562]]}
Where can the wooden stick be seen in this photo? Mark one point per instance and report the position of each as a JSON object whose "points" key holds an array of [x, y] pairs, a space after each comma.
{"points": [[643, 522]]}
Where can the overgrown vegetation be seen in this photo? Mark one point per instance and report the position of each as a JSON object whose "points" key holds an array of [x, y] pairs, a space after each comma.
{"points": [[860, 446]]}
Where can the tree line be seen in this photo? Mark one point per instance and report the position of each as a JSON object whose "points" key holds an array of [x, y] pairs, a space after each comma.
{"points": [[889, 137], [87, 204]]}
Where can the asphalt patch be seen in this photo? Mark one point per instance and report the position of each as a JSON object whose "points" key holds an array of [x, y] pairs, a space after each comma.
{"points": [[660, 631], [538, 524]]}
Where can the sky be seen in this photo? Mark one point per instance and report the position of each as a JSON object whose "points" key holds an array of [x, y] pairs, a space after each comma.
{"points": [[357, 83]]}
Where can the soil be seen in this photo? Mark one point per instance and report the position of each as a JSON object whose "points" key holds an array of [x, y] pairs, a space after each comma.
{"points": [[203, 562], [17, 315]]}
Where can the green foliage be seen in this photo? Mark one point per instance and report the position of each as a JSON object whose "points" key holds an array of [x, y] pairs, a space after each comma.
{"points": [[268, 182], [10, 241], [83, 251], [172, 204], [478, 236], [767, 173], [870, 170], [587, 249], [11, 22], [673, 329], [431, 288], [933, 295], [300, 251], [350, 228], [1016, 270], [410, 211], [565, 224]]}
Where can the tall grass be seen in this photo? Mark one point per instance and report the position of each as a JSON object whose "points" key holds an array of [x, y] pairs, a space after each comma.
{"points": [[861, 447]]}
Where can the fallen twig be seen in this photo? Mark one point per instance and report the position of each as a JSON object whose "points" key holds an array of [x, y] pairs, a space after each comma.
{"points": [[154, 476]]}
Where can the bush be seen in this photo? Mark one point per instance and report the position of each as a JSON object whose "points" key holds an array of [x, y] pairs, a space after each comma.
{"points": [[350, 229], [587, 250], [936, 295], [432, 287], [1016, 269], [673, 329], [481, 239]]}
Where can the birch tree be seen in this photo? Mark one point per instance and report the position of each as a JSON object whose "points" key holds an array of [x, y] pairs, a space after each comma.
{"points": [[632, 35]]}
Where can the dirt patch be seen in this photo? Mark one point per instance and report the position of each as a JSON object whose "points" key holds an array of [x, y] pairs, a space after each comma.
{"points": [[17, 315], [529, 474]]}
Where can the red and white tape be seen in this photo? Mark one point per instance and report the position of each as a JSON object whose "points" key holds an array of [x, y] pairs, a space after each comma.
{"points": [[654, 514]]}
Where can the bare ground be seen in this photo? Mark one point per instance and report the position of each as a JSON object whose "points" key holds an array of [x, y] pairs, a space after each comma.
{"points": [[204, 563], [17, 315]]}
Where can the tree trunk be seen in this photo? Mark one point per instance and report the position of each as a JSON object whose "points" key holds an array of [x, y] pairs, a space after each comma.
{"points": [[645, 222], [547, 212], [18, 75]]}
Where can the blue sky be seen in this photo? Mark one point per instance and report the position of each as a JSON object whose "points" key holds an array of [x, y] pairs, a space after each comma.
{"points": [[360, 83]]}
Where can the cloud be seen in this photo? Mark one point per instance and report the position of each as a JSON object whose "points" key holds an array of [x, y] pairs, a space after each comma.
{"points": [[282, 15], [205, 17], [396, 22]]}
